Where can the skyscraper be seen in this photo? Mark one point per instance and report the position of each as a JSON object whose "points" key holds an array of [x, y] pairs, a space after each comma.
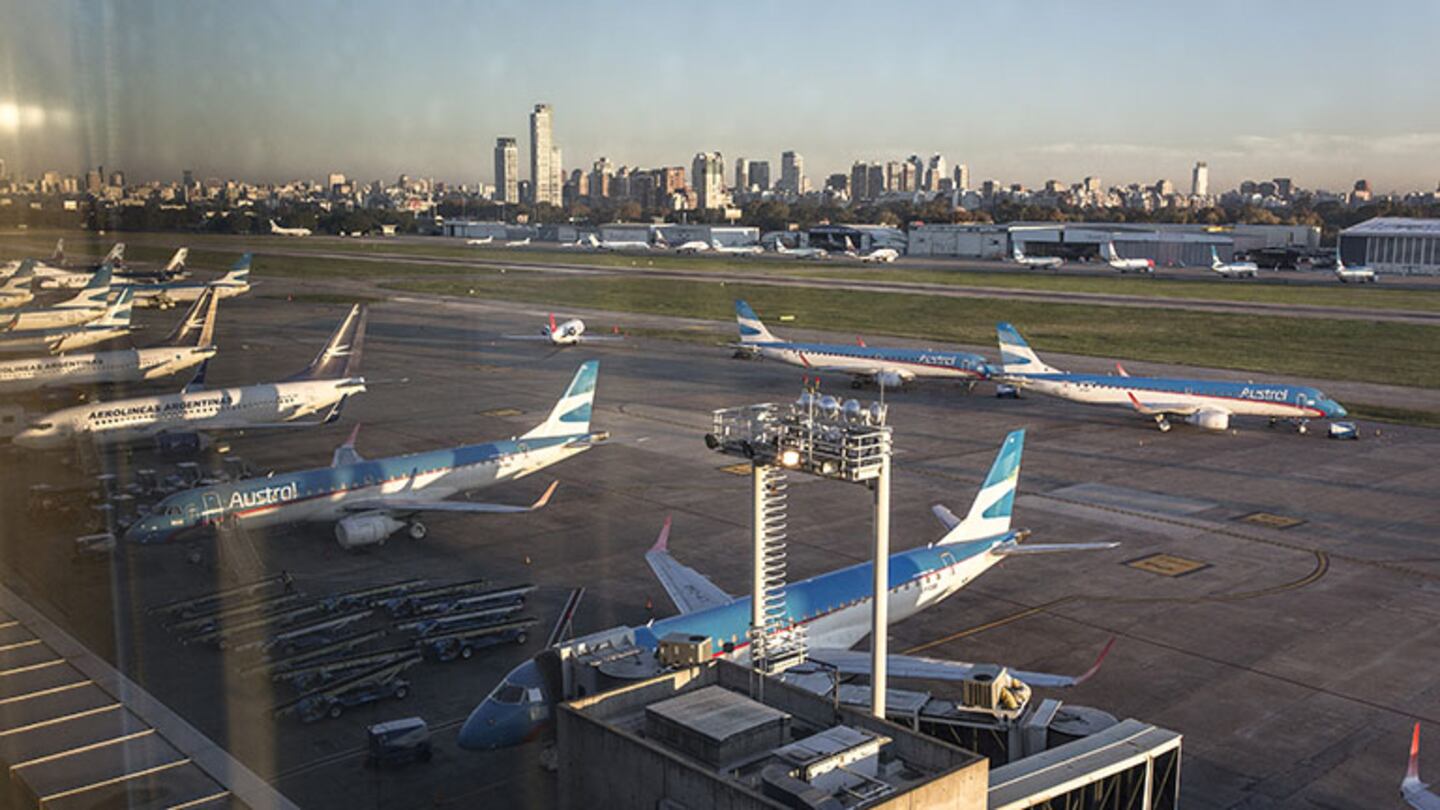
{"points": [[935, 172], [916, 165], [962, 177], [601, 173], [742, 174], [708, 177], [507, 171], [544, 163], [792, 172], [760, 175], [860, 181], [1200, 180]]}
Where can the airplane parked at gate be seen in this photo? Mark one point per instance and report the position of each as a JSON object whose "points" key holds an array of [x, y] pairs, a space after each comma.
{"points": [[834, 608], [279, 231], [191, 343], [370, 500], [173, 270], [1035, 262], [887, 367], [566, 333], [322, 387], [167, 294], [1206, 404], [1359, 274], [1112, 258], [114, 323], [17, 289], [1417, 794], [1232, 269], [90, 303]]}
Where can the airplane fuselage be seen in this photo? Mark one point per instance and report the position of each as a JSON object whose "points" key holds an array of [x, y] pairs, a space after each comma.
{"points": [[64, 339], [217, 409], [121, 365], [871, 360], [322, 494], [55, 317], [1249, 399], [183, 292]]}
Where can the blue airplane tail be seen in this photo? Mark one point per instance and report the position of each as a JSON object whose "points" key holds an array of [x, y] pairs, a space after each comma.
{"points": [[752, 330], [239, 271], [571, 415], [1016, 356], [990, 513]]}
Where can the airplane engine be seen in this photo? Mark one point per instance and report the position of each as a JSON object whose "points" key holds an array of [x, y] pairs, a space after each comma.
{"points": [[1210, 420], [365, 530], [890, 379]]}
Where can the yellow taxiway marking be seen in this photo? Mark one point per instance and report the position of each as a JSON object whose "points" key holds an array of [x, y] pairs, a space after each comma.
{"points": [[1272, 521]]}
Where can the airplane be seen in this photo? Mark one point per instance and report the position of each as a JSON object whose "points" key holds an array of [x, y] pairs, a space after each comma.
{"points": [[55, 262], [113, 323], [172, 271], [736, 250], [90, 303], [1232, 269], [167, 294], [799, 252], [834, 608], [279, 231], [518, 242], [888, 367], [18, 288], [370, 500], [1360, 274], [693, 246], [879, 255], [485, 240], [1207, 404], [323, 386], [1112, 258], [568, 333], [617, 244], [190, 343], [1017, 255], [51, 274], [1417, 794]]}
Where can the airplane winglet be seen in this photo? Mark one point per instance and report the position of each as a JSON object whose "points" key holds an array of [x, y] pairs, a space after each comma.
{"points": [[1095, 667], [1121, 369], [545, 499], [1413, 772], [350, 442], [662, 543], [552, 322], [859, 341]]}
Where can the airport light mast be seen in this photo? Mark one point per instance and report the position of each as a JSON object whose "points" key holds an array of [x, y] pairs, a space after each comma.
{"points": [[821, 436]]}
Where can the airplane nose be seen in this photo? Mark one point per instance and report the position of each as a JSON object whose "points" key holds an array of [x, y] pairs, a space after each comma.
{"points": [[483, 729], [1337, 410]]}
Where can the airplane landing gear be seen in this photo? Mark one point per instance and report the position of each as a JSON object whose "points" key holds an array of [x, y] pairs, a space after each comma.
{"points": [[416, 530], [1162, 423], [1302, 426]]}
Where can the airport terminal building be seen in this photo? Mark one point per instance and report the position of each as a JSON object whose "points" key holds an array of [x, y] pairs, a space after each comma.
{"points": [[1394, 246], [1170, 245]]}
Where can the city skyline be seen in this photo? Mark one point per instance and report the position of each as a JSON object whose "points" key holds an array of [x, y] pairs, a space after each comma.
{"points": [[272, 93]]}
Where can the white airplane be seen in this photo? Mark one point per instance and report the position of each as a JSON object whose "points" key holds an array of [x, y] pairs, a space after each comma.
{"points": [[799, 252], [833, 607], [172, 271], [169, 293], [1232, 269], [880, 255], [518, 242], [1417, 794], [693, 246], [18, 288], [617, 244], [52, 274], [484, 240], [367, 501], [87, 305], [1359, 275], [736, 250], [1112, 258], [567, 333], [1018, 256], [112, 324], [323, 386], [191, 343], [279, 231]]}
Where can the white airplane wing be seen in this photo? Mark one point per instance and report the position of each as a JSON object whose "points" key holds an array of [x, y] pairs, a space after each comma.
{"points": [[852, 662], [688, 588], [1152, 407], [408, 505], [601, 338]]}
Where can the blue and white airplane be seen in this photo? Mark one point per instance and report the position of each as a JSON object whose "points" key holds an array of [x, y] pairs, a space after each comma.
{"points": [[888, 367], [834, 608], [370, 500], [1207, 404], [91, 302], [167, 294], [113, 323]]}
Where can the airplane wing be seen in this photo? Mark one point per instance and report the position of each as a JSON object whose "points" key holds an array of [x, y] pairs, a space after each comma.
{"points": [[601, 338], [412, 504], [688, 588], [545, 338], [851, 662], [1155, 407]]}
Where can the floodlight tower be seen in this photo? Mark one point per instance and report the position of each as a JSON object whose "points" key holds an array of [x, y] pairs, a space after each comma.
{"points": [[821, 436]]}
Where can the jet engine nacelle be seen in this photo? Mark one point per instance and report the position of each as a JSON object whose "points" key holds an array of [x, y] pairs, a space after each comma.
{"points": [[1210, 420], [890, 379], [365, 530]]}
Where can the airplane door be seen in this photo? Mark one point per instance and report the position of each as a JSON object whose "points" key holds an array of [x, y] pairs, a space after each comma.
{"points": [[211, 510]]}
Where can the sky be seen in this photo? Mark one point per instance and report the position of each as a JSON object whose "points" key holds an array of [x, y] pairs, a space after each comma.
{"points": [[1025, 91]]}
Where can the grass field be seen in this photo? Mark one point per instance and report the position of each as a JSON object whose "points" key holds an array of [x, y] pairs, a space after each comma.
{"points": [[1392, 353]]}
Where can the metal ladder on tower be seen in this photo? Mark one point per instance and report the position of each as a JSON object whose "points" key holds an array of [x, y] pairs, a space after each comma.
{"points": [[778, 643]]}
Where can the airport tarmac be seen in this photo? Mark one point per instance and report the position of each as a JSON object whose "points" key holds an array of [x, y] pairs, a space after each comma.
{"points": [[1292, 659]]}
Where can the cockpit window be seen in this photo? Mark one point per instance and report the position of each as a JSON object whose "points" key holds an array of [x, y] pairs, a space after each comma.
{"points": [[509, 693]]}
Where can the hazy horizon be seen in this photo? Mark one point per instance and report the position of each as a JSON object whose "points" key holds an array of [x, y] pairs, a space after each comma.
{"points": [[268, 92]]}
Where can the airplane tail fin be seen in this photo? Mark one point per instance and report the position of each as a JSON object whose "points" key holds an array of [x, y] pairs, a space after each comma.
{"points": [[1108, 252], [96, 290], [197, 328], [177, 262], [118, 315], [1214, 258], [58, 257], [239, 271], [116, 255], [23, 276], [752, 330], [571, 415], [341, 356], [990, 513], [1016, 356]]}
